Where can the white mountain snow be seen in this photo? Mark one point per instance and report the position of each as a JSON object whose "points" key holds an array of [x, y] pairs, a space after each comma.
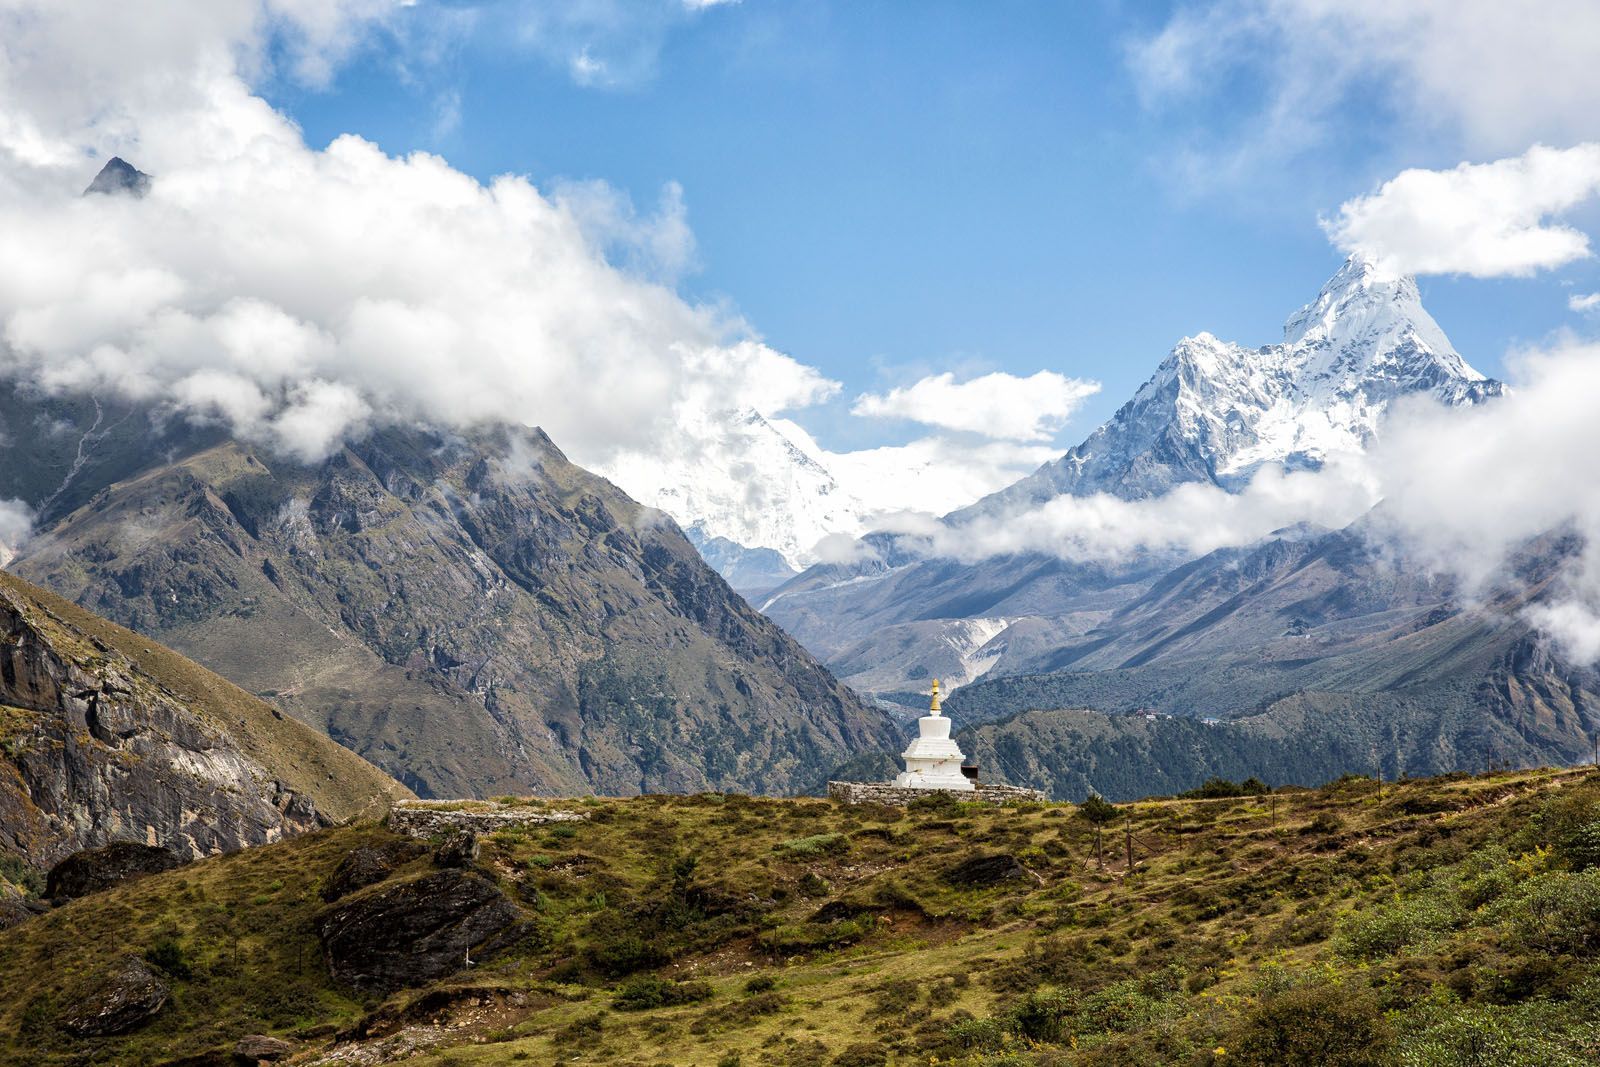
{"points": [[740, 478], [1216, 411]]}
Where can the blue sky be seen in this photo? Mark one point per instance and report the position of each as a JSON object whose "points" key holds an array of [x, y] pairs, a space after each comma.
{"points": [[887, 190]]}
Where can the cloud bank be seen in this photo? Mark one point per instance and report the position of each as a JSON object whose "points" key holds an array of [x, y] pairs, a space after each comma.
{"points": [[1482, 219], [1000, 406], [301, 295], [1498, 76]]}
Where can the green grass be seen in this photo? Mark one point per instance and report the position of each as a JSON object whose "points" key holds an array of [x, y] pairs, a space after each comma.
{"points": [[1403, 924]]}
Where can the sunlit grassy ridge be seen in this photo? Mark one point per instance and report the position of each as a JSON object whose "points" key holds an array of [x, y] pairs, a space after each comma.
{"points": [[1447, 921]]}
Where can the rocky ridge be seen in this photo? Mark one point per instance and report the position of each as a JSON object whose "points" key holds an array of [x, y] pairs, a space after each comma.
{"points": [[95, 747], [475, 614]]}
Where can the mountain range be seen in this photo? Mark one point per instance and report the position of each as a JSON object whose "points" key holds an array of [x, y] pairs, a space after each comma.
{"points": [[1212, 413], [472, 613], [1311, 651]]}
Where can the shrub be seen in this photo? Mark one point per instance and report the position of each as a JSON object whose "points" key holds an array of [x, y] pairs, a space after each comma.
{"points": [[979, 1035], [1325, 823], [1042, 1014], [168, 955], [1581, 847], [1098, 810], [650, 991], [761, 983], [1555, 912], [1385, 929], [1217, 788], [1323, 1024], [863, 1054], [1483, 1037], [815, 845]]}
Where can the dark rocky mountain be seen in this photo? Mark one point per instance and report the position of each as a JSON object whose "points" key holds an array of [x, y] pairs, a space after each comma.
{"points": [[119, 177], [1306, 656], [105, 736], [475, 614]]}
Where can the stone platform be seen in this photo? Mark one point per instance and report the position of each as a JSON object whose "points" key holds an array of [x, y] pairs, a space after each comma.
{"points": [[430, 818], [889, 793]]}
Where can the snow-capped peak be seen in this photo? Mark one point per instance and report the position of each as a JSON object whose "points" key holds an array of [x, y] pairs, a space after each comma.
{"points": [[1217, 411]]}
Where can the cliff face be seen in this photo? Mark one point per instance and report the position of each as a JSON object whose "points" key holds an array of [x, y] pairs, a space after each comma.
{"points": [[476, 615], [95, 747]]}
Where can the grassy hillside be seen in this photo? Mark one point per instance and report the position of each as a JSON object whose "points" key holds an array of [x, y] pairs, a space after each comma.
{"points": [[340, 783], [1438, 922]]}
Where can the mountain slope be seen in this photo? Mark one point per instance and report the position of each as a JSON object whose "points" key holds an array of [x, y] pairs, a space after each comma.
{"points": [[105, 735], [474, 615]]}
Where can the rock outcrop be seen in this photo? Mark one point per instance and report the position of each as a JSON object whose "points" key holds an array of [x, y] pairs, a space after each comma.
{"points": [[260, 1048], [131, 995], [413, 931], [15, 907], [95, 869], [369, 865], [107, 737]]}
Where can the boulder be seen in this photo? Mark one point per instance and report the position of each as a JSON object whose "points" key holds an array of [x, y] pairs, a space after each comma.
{"points": [[95, 869], [458, 849], [981, 871], [259, 1048], [129, 996], [369, 865], [414, 931]]}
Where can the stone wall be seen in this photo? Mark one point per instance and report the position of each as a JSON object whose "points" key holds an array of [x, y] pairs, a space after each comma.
{"points": [[425, 819], [889, 793]]}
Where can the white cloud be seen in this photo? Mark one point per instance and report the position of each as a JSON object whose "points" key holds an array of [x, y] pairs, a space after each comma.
{"points": [[1497, 75], [1482, 219], [303, 294], [931, 475], [1584, 302], [1000, 406], [16, 523]]}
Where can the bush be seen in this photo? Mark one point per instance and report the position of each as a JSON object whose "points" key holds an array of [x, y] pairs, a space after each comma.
{"points": [[863, 1054], [650, 991], [1385, 929], [1218, 788], [815, 845], [1098, 810], [1555, 912], [1581, 847], [167, 955], [1314, 1025], [761, 983]]}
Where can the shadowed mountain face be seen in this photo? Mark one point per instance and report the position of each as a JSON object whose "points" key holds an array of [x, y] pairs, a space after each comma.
{"points": [[119, 177], [1313, 654], [476, 616]]}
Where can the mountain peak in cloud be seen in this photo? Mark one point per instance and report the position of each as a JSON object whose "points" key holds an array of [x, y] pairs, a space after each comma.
{"points": [[119, 176]]}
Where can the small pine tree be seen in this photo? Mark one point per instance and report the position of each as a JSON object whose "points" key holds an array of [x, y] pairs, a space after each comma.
{"points": [[1098, 810]]}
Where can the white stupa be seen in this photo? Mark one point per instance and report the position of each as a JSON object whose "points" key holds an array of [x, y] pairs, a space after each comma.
{"points": [[933, 761]]}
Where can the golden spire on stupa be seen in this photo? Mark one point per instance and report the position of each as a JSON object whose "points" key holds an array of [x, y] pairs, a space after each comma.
{"points": [[935, 709]]}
